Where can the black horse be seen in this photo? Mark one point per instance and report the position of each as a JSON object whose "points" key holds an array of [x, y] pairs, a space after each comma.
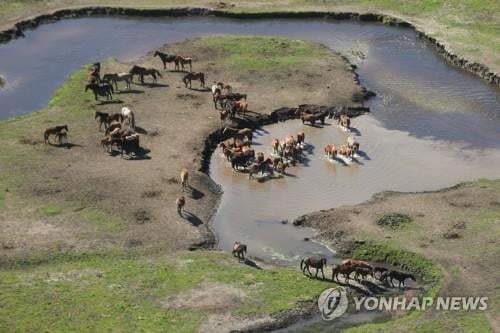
{"points": [[399, 276], [101, 89], [165, 58], [142, 71]]}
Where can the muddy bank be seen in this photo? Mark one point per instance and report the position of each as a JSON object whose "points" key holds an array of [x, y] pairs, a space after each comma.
{"points": [[16, 31]]}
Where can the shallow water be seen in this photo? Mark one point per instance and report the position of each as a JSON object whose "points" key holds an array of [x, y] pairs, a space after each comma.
{"points": [[431, 125]]}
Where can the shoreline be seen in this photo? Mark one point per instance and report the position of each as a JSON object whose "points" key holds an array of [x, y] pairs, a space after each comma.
{"points": [[16, 29]]}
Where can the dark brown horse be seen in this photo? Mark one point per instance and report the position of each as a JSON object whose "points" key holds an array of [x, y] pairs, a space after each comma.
{"points": [[398, 276], [101, 89], [165, 58], [319, 264], [56, 131], [142, 71], [194, 76], [345, 270], [239, 250], [94, 73]]}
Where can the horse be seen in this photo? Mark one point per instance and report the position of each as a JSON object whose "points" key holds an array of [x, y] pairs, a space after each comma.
{"points": [[344, 120], [216, 92], [180, 202], [128, 115], [345, 150], [130, 144], [165, 58], [56, 131], [353, 144], [281, 167], [184, 178], [356, 263], [276, 146], [101, 89], [260, 166], [312, 118], [330, 151], [114, 78], [239, 250], [241, 106], [400, 277], [381, 270], [363, 272], [102, 118], [241, 159], [94, 73], [194, 76], [301, 137], [142, 71], [112, 127], [183, 61], [314, 263], [106, 144], [345, 270], [239, 133]]}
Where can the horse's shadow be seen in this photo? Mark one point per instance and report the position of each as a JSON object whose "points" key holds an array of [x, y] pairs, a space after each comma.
{"points": [[354, 131], [201, 89], [131, 91], [66, 145], [155, 85], [140, 154], [113, 101], [373, 287], [352, 286], [191, 218], [251, 263], [140, 130], [194, 193], [364, 155]]}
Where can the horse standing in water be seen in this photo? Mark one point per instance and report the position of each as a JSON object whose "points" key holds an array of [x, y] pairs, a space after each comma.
{"points": [[101, 89], [165, 58]]}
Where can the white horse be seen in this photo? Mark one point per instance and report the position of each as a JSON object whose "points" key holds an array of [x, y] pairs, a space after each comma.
{"points": [[128, 115], [353, 144], [114, 78]]}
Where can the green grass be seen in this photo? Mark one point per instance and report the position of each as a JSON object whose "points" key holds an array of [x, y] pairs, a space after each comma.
{"points": [[262, 53], [104, 221], [124, 292], [51, 210]]}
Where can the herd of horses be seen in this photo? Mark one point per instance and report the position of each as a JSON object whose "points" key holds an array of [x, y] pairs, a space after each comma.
{"points": [[361, 270], [119, 129]]}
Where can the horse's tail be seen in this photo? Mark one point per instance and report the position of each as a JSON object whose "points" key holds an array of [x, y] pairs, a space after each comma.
{"points": [[301, 263], [132, 119]]}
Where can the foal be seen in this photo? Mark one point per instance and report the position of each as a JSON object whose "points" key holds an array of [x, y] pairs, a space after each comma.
{"points": [[239, 250]]}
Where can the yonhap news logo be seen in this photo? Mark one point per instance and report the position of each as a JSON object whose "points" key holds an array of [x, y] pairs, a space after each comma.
{"points": [[333, 303]]}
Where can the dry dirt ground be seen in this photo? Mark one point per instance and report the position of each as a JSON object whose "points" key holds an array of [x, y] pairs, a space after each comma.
{"points": [[456, 228], [104, 201]]}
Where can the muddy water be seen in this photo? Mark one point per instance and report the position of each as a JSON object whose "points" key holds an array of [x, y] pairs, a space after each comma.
{"points": [[431, 124]]}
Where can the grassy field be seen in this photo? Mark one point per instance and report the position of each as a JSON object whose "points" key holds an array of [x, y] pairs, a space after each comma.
{"points": [[470, 27], [127, 292]]}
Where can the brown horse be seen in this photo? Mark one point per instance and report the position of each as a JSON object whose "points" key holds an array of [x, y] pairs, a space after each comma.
{"points": [[276, 146], [56, 131], [194, 76], [184, 178], [314, 263], [180, 202], [94, 73], [345, 270], [363, 272], [353, 144], [281, 167], [330, 151], [241, 106], [238, 133], [180, 60], [345, 150], [301, 137], [239, 250], [356, 263]]}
